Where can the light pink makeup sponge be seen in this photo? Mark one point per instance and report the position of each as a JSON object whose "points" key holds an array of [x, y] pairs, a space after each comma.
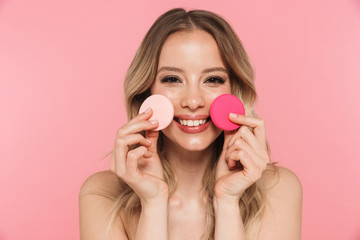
{"points": [[220, 109], [163, 110]]}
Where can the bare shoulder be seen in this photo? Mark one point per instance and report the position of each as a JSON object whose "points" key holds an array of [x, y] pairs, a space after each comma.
{"points": [[283, 212], [105, 183], [281, 180], [96, 201]]}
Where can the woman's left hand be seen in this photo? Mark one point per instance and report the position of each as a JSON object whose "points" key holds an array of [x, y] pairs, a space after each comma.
{"points": [[243, 159]]}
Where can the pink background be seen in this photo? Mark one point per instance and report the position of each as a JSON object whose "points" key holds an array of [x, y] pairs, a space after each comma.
{"points": [[62, 65]]}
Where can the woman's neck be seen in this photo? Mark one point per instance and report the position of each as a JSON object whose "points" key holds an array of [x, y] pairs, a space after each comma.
{"points": [[189, 168]]}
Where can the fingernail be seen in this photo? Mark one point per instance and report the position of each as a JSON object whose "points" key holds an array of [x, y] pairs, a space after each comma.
{"points": [[148, 140], [148, 110], [154, 122], [233, 115]]}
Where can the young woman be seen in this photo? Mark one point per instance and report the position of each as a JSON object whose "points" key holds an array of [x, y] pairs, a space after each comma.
{"points": [[191, 182]]}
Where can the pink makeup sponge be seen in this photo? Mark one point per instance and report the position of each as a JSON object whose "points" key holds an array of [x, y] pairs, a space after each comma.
{"points": [[163, 110], [220, 109]]}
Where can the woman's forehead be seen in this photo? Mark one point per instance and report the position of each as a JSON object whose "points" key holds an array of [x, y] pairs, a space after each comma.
{"points": [[190, 48]]}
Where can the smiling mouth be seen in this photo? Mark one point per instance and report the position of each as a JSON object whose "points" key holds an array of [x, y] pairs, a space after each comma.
{"points": [[192, 123]]}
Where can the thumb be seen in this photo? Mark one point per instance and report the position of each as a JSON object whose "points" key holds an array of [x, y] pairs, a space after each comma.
{"points": [[153, 137], [222, 166], [227, 136]]}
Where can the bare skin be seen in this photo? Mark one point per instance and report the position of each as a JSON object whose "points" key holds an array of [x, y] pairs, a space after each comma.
{"points": [[190, 75]]}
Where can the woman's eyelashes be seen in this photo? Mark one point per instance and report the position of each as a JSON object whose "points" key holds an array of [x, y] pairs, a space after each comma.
{"points": [[215, 80], [170, 79]]}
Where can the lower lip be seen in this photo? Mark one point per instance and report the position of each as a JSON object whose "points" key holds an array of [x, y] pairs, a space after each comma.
{"points": [[197, 129]]}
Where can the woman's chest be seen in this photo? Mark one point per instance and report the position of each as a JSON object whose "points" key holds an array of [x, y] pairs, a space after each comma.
{"points": [[186, 224]]}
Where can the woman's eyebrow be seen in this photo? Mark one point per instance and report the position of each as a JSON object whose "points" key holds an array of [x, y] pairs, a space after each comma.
{"points": [[215, 69], [173, 69], [208, 70]]}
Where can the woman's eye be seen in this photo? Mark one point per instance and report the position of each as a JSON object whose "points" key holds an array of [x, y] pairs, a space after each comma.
{"points": [[215, 80], [170, 80]]}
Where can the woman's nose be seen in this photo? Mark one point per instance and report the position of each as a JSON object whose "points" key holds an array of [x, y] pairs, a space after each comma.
{"points": [[192, 99]]}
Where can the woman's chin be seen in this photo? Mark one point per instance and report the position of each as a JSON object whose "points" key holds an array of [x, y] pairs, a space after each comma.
{"points": [[194, 148], [191, 142], [193, 145]]}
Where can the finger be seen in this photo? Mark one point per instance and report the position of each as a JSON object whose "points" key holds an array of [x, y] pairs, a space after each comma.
{"points": [[246, 161], [240, 144], [245, 133], [121, 150], [152, 136], [146, 115], [222, 164], [228, 135], [137, 127], [139, 123], [133, 139], [248, 137], [257, 124], [133, 157]]}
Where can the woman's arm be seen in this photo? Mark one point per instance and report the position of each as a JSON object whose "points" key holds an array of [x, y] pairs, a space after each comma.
{"points": [[283, 212], [228, 222], [95, 208], [153, 222], [244, 161], [135, 161], [282, 215]]}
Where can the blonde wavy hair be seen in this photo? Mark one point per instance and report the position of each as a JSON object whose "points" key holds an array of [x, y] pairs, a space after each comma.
{"points": [[141, 75]]}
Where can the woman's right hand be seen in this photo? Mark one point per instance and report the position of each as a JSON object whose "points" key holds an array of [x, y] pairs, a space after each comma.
{"points": [[140, 167]]}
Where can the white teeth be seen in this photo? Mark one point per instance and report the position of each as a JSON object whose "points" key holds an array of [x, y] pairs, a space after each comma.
{"points": [[192, 123]]}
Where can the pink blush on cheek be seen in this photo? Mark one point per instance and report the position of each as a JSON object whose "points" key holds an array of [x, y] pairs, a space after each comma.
{"points": [[163, 110], [220, 109]]}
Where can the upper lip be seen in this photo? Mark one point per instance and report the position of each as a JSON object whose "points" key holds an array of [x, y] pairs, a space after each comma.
{"points": [[191, 117]]}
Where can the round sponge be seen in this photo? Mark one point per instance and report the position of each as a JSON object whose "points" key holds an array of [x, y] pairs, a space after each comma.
{"points": [[163, 110], [220, 109]]}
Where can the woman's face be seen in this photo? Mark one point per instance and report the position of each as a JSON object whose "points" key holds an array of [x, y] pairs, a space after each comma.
{"points": [[191, 74]]}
